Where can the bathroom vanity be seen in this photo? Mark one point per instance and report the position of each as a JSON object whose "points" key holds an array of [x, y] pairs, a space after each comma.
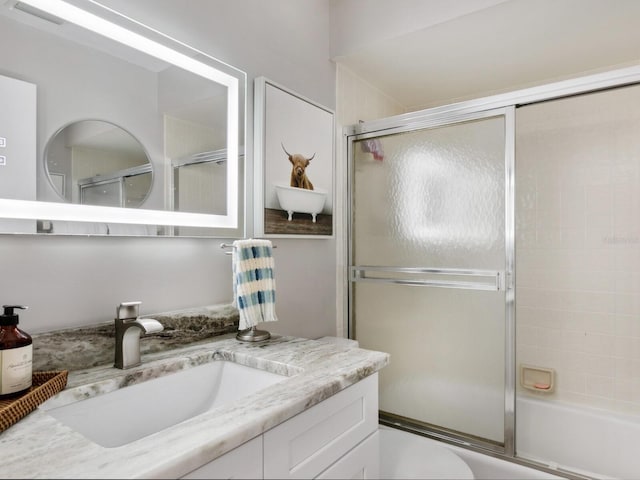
{"points": [[318, 421]]}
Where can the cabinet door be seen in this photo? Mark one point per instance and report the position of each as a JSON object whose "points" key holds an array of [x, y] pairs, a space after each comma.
{"points": [[310, 442], [361, 462], [244, 461]]}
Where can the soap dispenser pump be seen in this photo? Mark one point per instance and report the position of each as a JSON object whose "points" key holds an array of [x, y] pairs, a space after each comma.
{"points": [[16, 354]]}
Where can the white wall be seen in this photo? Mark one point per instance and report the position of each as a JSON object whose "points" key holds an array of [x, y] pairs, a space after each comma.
{"points": [[354, 26], [72, 281]]}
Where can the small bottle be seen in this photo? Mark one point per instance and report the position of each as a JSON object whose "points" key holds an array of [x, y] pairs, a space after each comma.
{"points": [[16, 355]]}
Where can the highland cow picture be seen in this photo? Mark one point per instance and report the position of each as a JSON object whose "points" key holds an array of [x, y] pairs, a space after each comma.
{"points": [[294, 164]]}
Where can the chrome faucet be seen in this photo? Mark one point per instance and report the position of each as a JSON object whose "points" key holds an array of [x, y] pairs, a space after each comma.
{"points": [[128, 337]]}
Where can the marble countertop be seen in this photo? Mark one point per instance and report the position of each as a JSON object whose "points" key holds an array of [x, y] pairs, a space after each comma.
{"points": [[39, 446], [85, 347]]}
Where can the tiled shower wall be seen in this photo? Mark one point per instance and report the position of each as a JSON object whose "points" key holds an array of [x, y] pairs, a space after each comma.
{"points": [[356, 99], [578, 246]]}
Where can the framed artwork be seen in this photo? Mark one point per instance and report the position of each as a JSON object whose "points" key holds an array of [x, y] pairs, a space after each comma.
{"points": [[294, 141]]}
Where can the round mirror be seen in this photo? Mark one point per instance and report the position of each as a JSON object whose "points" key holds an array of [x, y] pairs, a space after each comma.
{"points": [[93, 162]]}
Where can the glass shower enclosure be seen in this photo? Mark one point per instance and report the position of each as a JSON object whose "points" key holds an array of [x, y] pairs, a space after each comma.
{"points": [[439, 203], [431, 269]]}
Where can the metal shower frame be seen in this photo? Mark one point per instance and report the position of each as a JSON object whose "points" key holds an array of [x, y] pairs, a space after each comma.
{"points": [[495, 105]]}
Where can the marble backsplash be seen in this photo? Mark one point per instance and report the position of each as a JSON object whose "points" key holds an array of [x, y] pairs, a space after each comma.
{"points": [[92, 346]]}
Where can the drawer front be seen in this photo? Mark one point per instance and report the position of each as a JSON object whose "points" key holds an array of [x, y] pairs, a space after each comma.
{"points": [[307, 444], [361, 462], [244, 461]]}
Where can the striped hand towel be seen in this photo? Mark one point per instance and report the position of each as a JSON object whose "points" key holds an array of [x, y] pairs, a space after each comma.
{"points": [[254, 285]]}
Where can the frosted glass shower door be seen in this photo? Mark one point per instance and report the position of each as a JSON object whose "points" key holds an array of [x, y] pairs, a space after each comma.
{"points": [[428, 263]]}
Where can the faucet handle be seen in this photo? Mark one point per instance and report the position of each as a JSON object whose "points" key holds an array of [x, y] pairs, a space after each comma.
{"points": [[128, 310]]}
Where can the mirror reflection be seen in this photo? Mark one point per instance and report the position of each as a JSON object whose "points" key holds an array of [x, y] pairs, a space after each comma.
{"points": [[116, 127], [92, 162]]}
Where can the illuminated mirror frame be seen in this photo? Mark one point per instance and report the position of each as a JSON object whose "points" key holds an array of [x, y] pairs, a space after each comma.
{"points": [[35, 210]]}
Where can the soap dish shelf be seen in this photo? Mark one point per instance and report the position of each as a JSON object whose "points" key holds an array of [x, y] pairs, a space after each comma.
{"points": [[537, 379], [44, 385]]}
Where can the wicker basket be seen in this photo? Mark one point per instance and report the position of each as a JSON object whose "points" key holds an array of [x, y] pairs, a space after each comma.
{"points": [[44, 386]]}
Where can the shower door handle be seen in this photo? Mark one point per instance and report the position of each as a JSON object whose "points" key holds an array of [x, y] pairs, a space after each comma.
{"points": [[469, 279]]}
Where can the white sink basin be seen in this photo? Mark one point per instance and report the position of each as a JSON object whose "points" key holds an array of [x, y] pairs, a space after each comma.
{"points": [[122, 416]]}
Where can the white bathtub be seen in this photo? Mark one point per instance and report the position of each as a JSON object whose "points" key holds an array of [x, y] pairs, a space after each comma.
{"points": [[581, 439], [298, 200], [426, 458]]}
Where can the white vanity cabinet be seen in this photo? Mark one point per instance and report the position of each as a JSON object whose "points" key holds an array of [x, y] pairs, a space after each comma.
{"points": [[337, 438], [361, 462], [309, 443], [244, 462]]}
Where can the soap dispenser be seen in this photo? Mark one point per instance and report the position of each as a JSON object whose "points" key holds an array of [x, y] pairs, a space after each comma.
{"points": [[16, 354]]}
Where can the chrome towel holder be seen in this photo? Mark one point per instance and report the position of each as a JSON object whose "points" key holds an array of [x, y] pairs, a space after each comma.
{"points": [[229, 245], [251, 334]]}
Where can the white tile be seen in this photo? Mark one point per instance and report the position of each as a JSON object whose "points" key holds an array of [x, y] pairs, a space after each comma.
{"points": [[598, 322], [573, 237], [635, 391], [596, 344], [573, 340], [527, 335], [549, 237], [627, 304], [525, 316], [550, 338], [548, 197], [584, 297], [600, 386], [547, 219], [635, 348], [628, 408], [601, 365], [623, 390], [528, 297], [597, 175], [626, 258], [623, 347], [573, 321], [599, 231], [528, 354], [627, 368], [602, 302], [573, 382], [627, 281], [626, 326], [600, 401], [525, 237], [573, 361]]}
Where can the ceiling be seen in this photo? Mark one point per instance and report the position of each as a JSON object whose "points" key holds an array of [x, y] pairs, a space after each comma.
{"points": [[447, 51]]}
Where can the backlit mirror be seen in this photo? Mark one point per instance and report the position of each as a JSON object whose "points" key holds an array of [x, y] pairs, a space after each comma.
{"points": [[112, 128]]}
